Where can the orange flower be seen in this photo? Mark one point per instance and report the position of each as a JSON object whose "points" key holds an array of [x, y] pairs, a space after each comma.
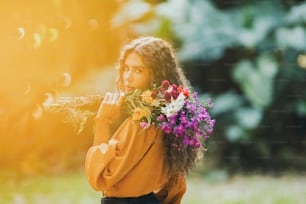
{"points": [[180, 88]]}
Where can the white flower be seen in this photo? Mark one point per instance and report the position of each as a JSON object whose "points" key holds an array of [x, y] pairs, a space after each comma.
{"points": [[175, 105]]}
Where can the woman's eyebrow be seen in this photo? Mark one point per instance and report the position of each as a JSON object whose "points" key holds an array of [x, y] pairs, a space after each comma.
{"points": [[135, 66], [139, 66]]}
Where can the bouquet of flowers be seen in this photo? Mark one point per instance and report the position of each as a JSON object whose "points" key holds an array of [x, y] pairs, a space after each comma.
{"points": [[176, 111]]}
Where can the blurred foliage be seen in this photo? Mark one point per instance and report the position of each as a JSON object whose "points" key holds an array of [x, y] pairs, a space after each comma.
{"points": [[250, 57]]}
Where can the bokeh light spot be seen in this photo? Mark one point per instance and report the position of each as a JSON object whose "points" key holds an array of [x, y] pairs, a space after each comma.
{"points": [[21, 32], [301, 60]]}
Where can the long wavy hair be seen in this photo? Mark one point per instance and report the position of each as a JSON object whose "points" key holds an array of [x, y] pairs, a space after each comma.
{"points": [[158, 55]]}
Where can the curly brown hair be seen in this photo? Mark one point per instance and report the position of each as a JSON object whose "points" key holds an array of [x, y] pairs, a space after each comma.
{"points": [[158, 55]]}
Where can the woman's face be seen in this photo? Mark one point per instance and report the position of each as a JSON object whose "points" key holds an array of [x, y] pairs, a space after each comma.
{"points": [[135, 74]]}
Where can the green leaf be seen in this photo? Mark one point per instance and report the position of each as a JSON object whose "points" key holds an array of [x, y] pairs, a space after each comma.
{"points": [[300, 108], [204, 30], [235, 133], [284, 38], [248, 117], [257, 81], [267, 66], [226, 102], [254, 22], [297, 14]]}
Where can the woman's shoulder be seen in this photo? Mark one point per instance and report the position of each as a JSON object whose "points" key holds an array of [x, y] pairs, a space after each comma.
{"points": [[137, 125], [130, 128]]}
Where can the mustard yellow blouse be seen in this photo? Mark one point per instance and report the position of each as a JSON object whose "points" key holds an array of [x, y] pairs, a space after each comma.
{"points": [[131, 164]]}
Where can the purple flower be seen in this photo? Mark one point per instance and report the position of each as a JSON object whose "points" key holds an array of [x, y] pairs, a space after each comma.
{"points": [[185, 140], [200, 133], [191, 108], [209, 101], [205, 137], [172, 119], [212, 122], [166, 128], [179, 130], [194, 125], [183, 119], [204, 116], [194, 141], [210, 104], [209, 130], [203, 110]]}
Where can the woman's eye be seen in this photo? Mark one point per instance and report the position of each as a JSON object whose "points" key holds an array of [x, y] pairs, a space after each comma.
{"points": [[138, 70]]}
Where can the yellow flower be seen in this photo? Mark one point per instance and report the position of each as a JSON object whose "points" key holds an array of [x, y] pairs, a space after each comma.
{"points": [[140, 113], [146, 97], [155, 103]]}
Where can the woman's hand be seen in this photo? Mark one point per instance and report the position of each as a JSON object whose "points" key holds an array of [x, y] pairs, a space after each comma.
{"points": [[110, 107]]}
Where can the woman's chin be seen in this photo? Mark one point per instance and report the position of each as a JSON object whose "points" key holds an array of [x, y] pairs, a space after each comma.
{"points": [[129, 90]]}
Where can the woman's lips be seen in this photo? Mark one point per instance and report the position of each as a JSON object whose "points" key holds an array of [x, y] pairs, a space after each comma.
{"points": [[128, 88]]}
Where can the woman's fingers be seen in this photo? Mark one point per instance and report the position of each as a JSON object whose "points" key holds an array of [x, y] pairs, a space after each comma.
{"points": [[107, 98], [110, 107], [113, 98]]}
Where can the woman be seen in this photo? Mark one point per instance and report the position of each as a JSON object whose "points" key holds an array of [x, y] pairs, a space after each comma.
{"points": [[127, 163]]}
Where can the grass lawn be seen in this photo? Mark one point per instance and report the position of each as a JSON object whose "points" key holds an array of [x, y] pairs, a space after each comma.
{"points": [[73, 189]]}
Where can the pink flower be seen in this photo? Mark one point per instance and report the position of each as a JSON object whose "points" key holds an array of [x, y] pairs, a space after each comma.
{"points": [[144, 125], [161, 118], [167, 96], [154, 94], [165, 84], [174, 93]]}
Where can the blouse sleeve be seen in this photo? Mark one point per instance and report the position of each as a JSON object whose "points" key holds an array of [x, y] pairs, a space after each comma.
{"points": [[107, 164]]}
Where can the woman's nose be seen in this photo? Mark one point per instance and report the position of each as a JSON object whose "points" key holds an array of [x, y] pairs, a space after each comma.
{"points": [[128, 76]]}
